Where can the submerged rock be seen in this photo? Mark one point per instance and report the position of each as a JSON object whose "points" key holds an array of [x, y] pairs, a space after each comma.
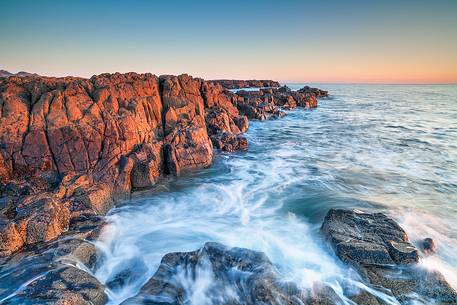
{"points": [[378, 248], [218, 274], [428, 246]]}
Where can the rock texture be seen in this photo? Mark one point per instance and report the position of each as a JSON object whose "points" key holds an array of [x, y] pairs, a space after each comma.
{"points": [[224, 275], [378, 248], [72, 146], [237, 84], [266, 103], [56, 272]]}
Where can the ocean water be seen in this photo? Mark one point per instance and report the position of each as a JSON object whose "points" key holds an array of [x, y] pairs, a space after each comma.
{"points": [[386, 148]]}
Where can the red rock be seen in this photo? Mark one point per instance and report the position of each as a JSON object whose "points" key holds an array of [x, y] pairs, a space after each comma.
{"points": [[186, 144]]}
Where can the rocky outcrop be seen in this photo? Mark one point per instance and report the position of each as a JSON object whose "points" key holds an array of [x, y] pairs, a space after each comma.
{"points": [[186, 145], [238, 84], [227, 276], [266, 103], [224, 122], [57, 272], [72, 146], [378, 248]]}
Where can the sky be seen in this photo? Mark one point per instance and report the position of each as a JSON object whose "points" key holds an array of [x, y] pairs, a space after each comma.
{"points": [[348, 41]]}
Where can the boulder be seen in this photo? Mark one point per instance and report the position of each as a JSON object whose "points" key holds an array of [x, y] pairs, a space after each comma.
{"points": [[218, 274], [428, 246], [56, 272], [313, 91], [378, 248], [64, 286], [229, 142]]}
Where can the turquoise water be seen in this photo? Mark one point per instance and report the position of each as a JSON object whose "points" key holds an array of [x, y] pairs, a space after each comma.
{"points": [[373, 147]]}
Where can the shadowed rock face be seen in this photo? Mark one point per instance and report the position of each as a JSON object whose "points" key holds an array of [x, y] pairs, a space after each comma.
{"points": [[224, 275], [72, 146], [237, 84], [267, 103], [379, 249]]}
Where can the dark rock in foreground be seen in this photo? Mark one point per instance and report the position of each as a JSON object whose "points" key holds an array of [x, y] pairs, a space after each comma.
{"points": [[55, 272], [218, 274], [368, 239], [378, 248]]}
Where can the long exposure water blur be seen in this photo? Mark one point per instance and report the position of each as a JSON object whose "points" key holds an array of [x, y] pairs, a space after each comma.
{"points": [[386, 148]]}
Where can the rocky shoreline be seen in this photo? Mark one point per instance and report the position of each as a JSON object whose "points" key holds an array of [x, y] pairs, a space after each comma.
{"points": [[70, 148]]}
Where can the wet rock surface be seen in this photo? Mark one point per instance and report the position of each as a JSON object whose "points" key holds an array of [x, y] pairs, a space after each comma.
{"points": [[56, 272], [267, 103], [428, 246], [224, 275], [378, 248]]}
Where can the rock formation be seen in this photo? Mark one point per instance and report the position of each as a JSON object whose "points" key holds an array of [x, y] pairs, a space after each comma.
{"points": [[238, 84], [70, 147], [234, 276], [57, 272], [267, 103], [378, 248]]}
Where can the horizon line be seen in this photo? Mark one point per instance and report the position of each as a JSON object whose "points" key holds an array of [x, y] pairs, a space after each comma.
{"points": [[368, 83]]}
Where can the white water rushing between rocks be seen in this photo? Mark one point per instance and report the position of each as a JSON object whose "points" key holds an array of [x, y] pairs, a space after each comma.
{"points": [[391, 149]]}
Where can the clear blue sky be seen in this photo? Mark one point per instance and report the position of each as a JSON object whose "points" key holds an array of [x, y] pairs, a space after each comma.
{"points": [[321, 41]]}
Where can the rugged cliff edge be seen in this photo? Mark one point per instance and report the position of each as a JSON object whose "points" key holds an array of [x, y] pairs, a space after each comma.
{"points": [[70, 147]]}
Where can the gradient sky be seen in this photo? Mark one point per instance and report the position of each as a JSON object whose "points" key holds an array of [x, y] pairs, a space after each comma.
{"points": [[312, 41]]}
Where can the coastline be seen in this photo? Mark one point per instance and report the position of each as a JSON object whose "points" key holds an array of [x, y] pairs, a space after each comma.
{"points": [[82, 250]]}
